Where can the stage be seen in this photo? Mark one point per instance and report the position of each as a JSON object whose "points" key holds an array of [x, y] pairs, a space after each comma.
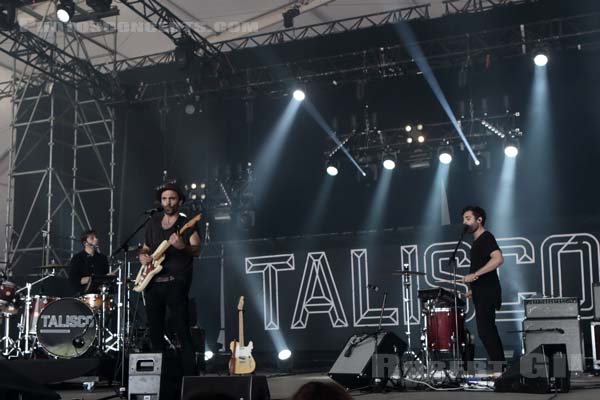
{"points": [[584, 387]]}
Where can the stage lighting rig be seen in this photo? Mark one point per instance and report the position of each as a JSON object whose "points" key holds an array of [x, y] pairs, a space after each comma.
{"points": [[99, 5], [289, 15], [8, 14], [65, 9]]}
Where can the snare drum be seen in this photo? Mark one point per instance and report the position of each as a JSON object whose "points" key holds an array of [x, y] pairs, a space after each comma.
{"points": [[94, 301], [441, 329], [67, 328], [10, 301], [38, 303]]}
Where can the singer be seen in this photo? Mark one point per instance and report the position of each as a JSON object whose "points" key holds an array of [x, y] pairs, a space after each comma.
{"points": [[486, 293], [169, 289], [87, 262]]}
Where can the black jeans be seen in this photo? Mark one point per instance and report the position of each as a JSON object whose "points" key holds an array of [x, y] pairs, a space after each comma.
{"points": [[486, 303], [174, 296]]}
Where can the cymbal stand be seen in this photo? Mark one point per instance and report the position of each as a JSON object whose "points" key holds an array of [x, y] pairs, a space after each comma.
{"points": [[24, 327], [8, 343]]}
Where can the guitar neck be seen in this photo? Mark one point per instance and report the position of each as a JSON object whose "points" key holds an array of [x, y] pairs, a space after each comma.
{"points": [[241, 327]]}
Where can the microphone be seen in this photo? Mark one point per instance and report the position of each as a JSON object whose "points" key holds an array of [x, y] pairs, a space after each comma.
{"points": [[153, 210], [375, 288]]}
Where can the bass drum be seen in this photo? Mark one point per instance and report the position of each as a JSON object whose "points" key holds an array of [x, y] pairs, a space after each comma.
{"points": [[66, 328]]}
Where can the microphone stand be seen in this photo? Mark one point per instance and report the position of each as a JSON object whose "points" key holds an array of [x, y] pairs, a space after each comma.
{"points": [[124, 247], [452, 262], [375, 355]]}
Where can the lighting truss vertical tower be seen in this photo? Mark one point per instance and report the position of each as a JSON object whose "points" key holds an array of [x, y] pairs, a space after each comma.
{"points": [[61, 160]]}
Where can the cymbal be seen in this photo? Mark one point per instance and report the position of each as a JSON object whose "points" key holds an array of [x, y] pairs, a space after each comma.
{"points": [[52, 266], [403, 272]]}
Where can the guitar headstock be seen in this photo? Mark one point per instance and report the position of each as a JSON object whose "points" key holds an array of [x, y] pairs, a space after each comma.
{"points": [[190, 223], [241, 304]]}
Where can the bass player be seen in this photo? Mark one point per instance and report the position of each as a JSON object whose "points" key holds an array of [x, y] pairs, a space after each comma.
{"points": [[169, 288]]}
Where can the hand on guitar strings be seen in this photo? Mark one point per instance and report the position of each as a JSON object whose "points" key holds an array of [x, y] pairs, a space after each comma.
{"points": [[176, 241]]}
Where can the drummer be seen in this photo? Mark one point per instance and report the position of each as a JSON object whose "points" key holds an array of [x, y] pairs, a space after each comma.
{"points": [[87, 262]]}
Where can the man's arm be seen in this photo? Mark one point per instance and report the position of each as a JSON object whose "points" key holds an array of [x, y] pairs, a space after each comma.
{"points": [[496, 260], [192, 249]]}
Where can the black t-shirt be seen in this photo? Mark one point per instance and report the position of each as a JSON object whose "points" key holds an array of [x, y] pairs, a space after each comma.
{"points": [[83, 264], [481, 250], [177, 263]]}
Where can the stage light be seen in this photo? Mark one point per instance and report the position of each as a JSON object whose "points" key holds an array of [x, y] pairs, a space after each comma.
{"points": [[540, 57], [184, 51], [65, 10], [511, 148], [289, 15], [208, 355], [419, 127], [445, 154], [299, 95], [193, 186], [409, 139], [99, 5], [408, 128], [332, 168], [190, 109], [389, 162], [8, 17], [284, 354], [421, 139]]}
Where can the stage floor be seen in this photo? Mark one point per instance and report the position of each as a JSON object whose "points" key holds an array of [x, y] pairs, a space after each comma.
{"points": [[585, 387]]}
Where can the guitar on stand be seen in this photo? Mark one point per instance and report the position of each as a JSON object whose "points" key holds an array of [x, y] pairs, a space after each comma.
{"points": [[241, 361], [147, 272]]}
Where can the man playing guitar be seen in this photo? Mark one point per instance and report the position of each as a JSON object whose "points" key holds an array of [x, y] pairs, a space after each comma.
{"points": [[169, 288]]}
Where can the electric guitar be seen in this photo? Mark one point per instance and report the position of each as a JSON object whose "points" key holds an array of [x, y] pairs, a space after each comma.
{"points": [[241, 361], [147, 272]]}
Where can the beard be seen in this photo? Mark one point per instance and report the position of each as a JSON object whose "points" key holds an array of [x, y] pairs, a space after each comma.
{"points": [[473, 227], [168, 210]]}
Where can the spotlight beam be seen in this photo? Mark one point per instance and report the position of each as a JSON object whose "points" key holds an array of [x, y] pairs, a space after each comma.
{"points": [[416, 53], [319, 120]]}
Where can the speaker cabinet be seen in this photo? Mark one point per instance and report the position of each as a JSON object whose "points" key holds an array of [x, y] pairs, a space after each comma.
{"points": [[356, 366], [554, 331], [245, 387], [544, 369]]}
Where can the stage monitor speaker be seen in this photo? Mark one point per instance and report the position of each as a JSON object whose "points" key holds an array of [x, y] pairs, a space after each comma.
{"points": [[543, 370], [19, 387], [144, 376], [354, 366], [553, 331], [243, 387]]}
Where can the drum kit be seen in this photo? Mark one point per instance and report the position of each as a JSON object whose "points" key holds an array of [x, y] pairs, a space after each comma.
{"points": [[54, 327], [443, 312]]}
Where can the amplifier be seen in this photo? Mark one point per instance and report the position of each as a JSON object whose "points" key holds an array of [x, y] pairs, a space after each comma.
{"points": [[595, 327], [596, 296], [552, 307], [556, 331]]}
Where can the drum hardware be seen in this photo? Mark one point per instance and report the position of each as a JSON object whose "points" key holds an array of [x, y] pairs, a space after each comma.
{"points": [[67, 328], [25, 335]]}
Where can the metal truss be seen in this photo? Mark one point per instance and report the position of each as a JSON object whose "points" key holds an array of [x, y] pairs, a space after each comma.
{"points": [[471, 6], [61, 167], [6, 89], [327, 28], [55, 62], [172, 26], [369, 144], [577, 32]]}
